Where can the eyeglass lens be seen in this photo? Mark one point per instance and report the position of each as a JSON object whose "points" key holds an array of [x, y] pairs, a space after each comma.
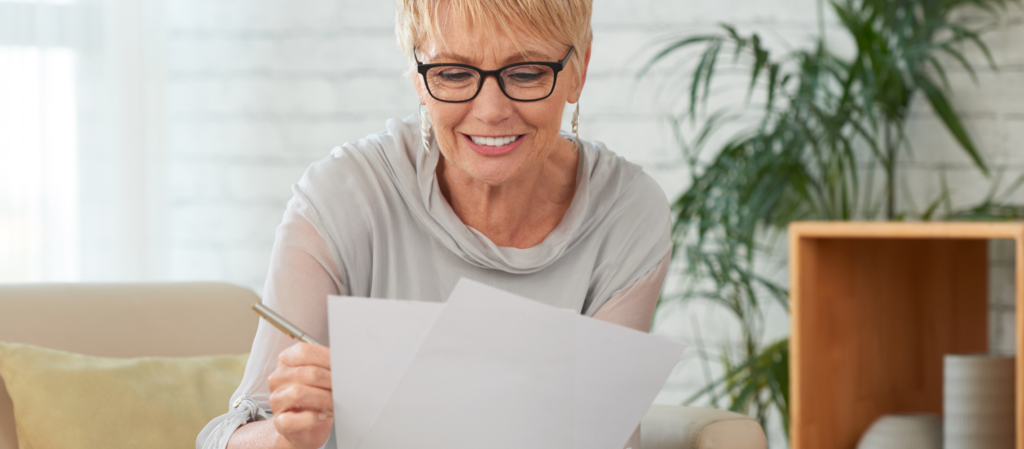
{"points": [[522, 82]]}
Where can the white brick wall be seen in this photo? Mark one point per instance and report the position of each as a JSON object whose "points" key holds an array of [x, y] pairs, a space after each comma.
{"points": [[1002, 323], [258, 89]]}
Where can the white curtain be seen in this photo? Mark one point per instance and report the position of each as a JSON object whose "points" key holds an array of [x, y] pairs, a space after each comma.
{"points": [[80, 115]]}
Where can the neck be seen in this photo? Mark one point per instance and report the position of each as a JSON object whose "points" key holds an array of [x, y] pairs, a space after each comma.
{"points": [[519, 213]]}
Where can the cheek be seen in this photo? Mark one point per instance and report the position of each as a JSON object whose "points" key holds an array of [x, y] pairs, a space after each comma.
{"points": [[443, 121], [544, 119], [440, 118]]}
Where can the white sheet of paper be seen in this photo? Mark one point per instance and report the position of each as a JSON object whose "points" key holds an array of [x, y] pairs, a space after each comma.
{"points": [[619, 372], [488, 369], [372, 341], [495, 371]]}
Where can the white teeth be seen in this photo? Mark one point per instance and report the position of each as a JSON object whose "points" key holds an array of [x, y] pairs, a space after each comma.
{"points": [[493, 141]]}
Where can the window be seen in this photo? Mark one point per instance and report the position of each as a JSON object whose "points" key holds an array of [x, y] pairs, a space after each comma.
{"points": [[38, 144]]}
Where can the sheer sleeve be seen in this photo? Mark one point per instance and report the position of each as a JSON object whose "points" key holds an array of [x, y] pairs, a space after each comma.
{"points": [[633, 307], [303, 272]]}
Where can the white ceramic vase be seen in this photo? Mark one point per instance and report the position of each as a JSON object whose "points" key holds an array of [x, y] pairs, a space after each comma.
{"points": [[978, 402], [904, 431]]}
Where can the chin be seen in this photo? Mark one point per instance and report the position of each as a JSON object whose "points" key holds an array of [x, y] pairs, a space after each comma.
{"points": [[492, 172]]}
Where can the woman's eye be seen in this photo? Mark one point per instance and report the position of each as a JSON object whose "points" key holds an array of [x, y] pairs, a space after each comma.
{"points": [[524, 77], [527, 74], [455, 76]]}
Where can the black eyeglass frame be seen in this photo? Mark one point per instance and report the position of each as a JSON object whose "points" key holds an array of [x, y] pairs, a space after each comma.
{"points": [[556, 66]]}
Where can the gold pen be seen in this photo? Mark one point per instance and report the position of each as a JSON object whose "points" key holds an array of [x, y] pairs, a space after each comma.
{"points": [[279, 322]]}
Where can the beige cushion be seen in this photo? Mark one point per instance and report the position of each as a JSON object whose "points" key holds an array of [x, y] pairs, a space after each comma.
{"points": [[67, 400], [124, 320], [674, 427]]}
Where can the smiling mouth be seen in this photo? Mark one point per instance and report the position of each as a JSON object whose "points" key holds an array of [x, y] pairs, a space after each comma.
{"points": [[493, 141]]}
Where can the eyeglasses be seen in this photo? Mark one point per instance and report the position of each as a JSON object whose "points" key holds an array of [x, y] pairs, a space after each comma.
{"points": [[522, 81]]}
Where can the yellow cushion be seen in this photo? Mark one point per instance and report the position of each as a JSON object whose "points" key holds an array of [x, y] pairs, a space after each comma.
{"points": [[64, 400]]}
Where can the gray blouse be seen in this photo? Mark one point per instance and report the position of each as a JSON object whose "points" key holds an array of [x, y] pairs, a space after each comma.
{"points": [[369, 220]]}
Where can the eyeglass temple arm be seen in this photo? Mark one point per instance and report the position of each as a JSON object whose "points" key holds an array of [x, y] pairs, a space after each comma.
{"points": [[565, 60]]}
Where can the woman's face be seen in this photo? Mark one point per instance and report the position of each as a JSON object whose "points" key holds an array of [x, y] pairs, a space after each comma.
{"points": [[533, 125]]}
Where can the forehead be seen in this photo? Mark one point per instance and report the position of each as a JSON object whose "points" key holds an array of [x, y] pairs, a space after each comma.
{"points": [[480, 40]]}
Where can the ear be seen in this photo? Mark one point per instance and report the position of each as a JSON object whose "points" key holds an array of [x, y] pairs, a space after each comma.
{"points": [[578, 90], [418, 83], [421, 90]]}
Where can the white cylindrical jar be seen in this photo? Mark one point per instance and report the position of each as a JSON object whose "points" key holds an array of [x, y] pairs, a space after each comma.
{"points": [[904, 431], [978, 402]]}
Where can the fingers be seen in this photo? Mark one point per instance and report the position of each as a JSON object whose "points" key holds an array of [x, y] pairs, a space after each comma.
{"points": [[302, 380], [301, 396], [297, 397], [311, 375], [302, 353], [305, 429], [296, 422]]}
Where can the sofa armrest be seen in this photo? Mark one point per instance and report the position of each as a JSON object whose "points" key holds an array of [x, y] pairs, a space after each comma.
{"points": [[675, 427], [166, 319]]}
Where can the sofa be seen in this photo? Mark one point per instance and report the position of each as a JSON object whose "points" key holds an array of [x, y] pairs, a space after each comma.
{"points": [[206, 318]]}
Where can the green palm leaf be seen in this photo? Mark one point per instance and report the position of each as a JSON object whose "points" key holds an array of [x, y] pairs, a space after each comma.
{"points": [[828, 122]]}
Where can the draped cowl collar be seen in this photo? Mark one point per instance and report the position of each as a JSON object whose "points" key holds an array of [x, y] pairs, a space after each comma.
{"points": [[600, 179]]}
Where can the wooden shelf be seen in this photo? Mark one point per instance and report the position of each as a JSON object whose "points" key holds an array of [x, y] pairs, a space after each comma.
{"points": [[874, 307]]}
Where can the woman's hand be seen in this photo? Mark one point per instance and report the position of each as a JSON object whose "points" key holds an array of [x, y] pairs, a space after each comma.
{"points": [[300, 396]]}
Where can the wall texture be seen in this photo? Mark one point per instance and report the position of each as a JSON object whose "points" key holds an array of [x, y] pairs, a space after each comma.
{"points": [[257, 89]]}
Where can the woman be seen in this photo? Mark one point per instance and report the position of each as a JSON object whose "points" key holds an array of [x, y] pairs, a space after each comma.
{"points": [[486, 188]]}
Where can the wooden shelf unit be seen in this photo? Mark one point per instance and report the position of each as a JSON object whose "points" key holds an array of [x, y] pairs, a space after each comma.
{"points": [[874, 307]]}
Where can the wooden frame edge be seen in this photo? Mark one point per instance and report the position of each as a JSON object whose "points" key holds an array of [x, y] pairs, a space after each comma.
{"points": [[1019, 302], [795, 234], [872, 229]]}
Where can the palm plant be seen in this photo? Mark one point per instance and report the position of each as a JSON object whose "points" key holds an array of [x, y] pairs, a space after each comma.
{"points": [[827, 142]]}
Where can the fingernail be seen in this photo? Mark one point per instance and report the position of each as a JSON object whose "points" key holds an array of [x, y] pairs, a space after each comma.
{"points": [[322, 416]]}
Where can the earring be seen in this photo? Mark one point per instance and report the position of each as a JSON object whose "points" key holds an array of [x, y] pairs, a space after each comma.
{"points": [[425, 129], [576, 128]]}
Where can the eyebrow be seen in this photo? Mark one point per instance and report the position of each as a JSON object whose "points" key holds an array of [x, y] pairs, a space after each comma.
{"points": [[519, 57]]}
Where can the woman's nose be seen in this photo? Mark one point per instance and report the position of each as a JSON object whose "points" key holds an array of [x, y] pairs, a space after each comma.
{"points": [[491, 105]]}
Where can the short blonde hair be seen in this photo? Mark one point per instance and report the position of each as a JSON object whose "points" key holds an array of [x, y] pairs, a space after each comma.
{"points": [[564, 21]]}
